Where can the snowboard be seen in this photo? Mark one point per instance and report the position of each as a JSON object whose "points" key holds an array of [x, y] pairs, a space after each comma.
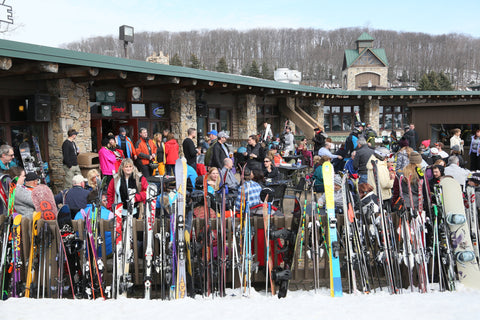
{"points": [[44, 176], [44, 202], [467, 268], [333, 243], [27, 159], [181, 183]]}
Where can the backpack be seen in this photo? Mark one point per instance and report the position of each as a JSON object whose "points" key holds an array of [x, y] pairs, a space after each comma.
{"points": [[209, 153]]}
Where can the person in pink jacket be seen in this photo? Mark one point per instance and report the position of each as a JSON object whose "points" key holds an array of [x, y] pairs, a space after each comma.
{"points": [[171, 153], [107, 159]]}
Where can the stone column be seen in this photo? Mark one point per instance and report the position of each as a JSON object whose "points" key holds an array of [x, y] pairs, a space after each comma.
{"points": [[184, 113], [247, 116], [290, 102], [70, 109], [315, 109], [372, 114]]}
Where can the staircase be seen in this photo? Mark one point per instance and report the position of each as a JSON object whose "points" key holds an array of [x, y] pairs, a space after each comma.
{"points": [[301, 119]]}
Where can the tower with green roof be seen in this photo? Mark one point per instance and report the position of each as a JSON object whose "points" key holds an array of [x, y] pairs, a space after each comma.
{"points": [[365, 68]]}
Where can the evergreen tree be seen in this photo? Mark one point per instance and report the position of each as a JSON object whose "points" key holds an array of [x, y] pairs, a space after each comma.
{"points": [[194, 62], [254, 71], [424, 84], [176, 61], [222, 65], [266, 72], [404, 76], [435, 82], [444, 83]]}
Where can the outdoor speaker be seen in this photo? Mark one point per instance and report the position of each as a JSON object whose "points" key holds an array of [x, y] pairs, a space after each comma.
{"points": [[202, 109], [38, 108]]}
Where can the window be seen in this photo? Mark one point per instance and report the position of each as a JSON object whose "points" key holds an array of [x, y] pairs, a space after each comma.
{"points": [[393, 117], [339, 118], [267, 113]]}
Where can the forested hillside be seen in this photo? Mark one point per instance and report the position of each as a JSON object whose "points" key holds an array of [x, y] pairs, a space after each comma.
{"points": [[318, 54]]}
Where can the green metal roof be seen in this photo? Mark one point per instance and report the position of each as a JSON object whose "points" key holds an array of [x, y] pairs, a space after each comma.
{"points": [[365, 37], [33, 52], [351, 55]]}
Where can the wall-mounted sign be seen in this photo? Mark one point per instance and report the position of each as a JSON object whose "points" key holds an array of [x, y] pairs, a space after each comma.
{"points": [[106, 111], [105, 96], [138, 110], [119, 107], [135, 94], [158, 110]]}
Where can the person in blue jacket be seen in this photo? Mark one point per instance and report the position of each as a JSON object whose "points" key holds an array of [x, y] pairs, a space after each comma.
{"points": [[105, 214]]}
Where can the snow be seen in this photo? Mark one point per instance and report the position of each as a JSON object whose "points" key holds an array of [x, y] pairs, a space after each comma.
{"points": [[298, 305]]}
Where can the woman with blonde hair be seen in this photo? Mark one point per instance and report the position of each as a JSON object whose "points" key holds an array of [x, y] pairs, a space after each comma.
{"points": [[128, 181], [411, 173], [213, 180], [92, 176]]}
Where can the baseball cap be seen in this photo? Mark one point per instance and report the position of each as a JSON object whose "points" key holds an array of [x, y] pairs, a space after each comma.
{"points": [[214, 132], [223, 134], [77, 179]]}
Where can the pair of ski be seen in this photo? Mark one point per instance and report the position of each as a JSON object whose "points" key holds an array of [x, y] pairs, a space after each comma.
{"points": [[41, 242]]}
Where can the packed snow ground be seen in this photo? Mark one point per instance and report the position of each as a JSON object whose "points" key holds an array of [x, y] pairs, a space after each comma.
{"points": [[464, 303]]}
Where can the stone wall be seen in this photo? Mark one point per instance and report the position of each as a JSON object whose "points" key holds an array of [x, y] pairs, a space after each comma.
{"points": [[371, 114], [315, 109], [352, 72], [183, 115], [247, 116], [291, 102], [70, 109]]}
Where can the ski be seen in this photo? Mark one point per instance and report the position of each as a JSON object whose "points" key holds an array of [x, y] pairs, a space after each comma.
{"points": [[149, 225], [334, 245], [181, 183]]}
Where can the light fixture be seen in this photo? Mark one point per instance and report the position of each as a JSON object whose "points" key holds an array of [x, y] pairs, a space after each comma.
{"points": [[21, 108], [126, 34]]}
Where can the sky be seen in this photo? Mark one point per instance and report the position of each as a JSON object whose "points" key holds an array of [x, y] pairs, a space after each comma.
{"points": [[56, 22]]}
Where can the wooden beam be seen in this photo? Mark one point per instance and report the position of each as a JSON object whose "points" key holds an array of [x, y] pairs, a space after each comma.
{"points": [[5, 63], [29, 68], [66, 73]]}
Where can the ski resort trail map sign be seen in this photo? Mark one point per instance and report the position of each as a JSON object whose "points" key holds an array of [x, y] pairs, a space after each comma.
{"points": [[5, 13]]}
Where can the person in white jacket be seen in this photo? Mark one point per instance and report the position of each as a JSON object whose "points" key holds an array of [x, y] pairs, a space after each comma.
{"points": [[385, 176], [455, 140]]}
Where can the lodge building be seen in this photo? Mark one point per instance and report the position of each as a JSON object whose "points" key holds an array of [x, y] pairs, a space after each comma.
{"points": [[45, 91]]}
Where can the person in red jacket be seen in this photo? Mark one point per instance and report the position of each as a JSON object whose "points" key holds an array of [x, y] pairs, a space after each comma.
{"points": [[128, 182], [171, 154], [146, 151]]}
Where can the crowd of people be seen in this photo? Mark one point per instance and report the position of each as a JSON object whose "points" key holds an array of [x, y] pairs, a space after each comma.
{"points": [[125, 167]]}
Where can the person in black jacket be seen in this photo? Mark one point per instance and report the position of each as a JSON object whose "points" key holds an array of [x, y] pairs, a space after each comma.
{"points": [[189, 149], [220, 151], [255, 154], [412, 136], [363, 154], [270, 171], [318, 140], [70, 152]]}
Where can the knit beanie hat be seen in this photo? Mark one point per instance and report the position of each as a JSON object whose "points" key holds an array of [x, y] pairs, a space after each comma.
{"points": [[415, 158]]}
